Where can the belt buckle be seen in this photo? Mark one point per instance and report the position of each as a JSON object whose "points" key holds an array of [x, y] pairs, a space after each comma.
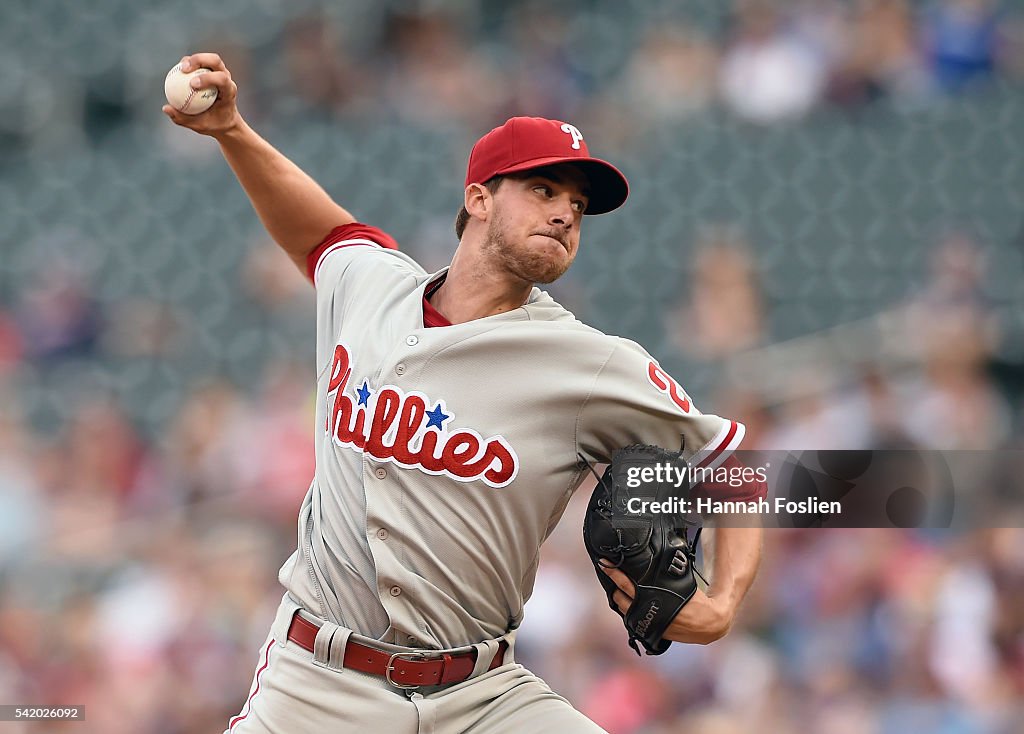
{"points": [[413, 655]]}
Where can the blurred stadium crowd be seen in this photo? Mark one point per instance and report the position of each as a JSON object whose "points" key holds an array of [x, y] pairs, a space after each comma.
{"points": [[824, 241]]}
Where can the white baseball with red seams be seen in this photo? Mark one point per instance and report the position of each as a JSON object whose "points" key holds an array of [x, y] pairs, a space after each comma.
{"points": [[182, 97]]}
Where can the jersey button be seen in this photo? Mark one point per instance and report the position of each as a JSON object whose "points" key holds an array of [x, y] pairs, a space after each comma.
{"points": [[380, 472], [382, 534], [412, 340], [396, 591], [400, 369]]}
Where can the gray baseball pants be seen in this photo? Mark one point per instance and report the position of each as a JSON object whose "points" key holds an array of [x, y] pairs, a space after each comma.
{"points": [[295, 691]]}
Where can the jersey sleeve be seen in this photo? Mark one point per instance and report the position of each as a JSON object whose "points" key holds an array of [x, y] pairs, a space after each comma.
{"points": [[634, 400], [342, 243], [357, 270]]}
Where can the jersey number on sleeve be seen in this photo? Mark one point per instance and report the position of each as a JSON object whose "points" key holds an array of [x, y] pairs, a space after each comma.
{"points": [[664, 382]]}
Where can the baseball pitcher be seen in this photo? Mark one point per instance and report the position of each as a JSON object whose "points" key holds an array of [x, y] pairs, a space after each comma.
{"points": [[456, 413]]}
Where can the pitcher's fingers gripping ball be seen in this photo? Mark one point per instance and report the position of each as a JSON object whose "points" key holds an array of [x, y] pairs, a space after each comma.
{"points": [[182, 96]]}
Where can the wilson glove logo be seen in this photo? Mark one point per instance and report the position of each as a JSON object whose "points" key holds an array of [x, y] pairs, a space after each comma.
{"points": [[679, 563], [643, 624]]}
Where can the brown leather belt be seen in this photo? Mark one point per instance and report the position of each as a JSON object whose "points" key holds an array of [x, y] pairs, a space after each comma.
{"points": [[405, 670]]}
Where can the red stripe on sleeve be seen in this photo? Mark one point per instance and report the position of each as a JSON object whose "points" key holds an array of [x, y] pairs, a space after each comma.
{"points": [[353, 231], [722, 445]]}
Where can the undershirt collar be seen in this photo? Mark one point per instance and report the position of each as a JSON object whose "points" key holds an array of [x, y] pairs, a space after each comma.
{"points": [[431, 316]]}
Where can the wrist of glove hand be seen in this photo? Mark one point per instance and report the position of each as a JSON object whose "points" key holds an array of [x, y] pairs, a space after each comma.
{"points": [[702, 620]]}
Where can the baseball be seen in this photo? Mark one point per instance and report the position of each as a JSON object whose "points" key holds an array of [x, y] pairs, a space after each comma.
{"points": [[183, 97]]}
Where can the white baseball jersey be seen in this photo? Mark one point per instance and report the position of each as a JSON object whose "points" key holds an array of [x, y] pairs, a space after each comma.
{"points": [[445, 455]]}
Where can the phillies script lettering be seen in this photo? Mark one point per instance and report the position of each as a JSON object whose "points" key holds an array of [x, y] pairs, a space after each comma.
{"points": [[396, 426]]}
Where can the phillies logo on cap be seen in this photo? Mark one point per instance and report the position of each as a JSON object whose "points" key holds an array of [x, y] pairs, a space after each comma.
{"points": [[524, 143], [393, 425], [574, 131]]}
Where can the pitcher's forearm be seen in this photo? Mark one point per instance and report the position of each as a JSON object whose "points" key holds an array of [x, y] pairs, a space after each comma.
{"points": [[297, 213], [733, 554], [294, 208], [736, 555]]}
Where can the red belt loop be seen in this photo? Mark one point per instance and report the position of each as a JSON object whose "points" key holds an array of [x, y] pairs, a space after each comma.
{"points": [[448, 673], [407, 669]]}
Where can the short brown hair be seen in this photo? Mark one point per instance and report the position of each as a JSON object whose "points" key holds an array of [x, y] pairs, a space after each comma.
{"points": [[462, 218]]}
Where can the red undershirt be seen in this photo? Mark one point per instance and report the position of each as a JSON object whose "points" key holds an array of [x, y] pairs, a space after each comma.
{"points": [[431, 316]]}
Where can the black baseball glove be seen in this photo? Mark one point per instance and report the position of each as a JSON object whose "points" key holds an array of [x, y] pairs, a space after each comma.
{"points": [[652, 548]]}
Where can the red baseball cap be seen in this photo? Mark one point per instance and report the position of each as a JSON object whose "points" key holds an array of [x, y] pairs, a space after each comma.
{"points": [[523, 143]]}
